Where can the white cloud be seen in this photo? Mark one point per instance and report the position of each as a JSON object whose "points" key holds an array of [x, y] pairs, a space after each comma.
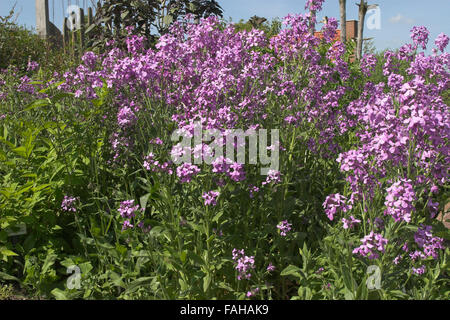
{"points": [[399, 18]]}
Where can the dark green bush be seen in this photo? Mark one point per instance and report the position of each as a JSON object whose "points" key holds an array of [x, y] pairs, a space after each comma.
{"points": [[17, 44]]}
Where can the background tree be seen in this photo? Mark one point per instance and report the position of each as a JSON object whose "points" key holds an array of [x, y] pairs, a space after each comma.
{"points": [[342, 9], [146, 16], [270, 28], [361, 16]]}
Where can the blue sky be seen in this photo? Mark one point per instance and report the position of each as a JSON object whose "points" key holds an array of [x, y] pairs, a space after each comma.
{"points": [[397, 16]]}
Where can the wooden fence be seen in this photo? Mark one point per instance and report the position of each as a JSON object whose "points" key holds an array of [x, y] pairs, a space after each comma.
{"points": [[74, 32]]}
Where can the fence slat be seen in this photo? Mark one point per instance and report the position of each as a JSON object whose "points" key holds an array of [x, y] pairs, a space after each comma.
{"points": [[82, 28]]}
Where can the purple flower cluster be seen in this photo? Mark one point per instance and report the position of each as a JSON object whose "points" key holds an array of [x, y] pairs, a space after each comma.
{"points": [[350, 223], [32, 65], [284, 227], [253, 190], [69, 203], [419, 271], [128, 211], [335, 203], [236, 172], [367, 64], [399, 200], [314, 5], [244, 264], [429, 244], [90, 59], [420, 36], [210, 198], [372, 245], [126, 117], [186, 171], [252, 293], [270, 267], [273, 177], [154, 165], [442, 41]]}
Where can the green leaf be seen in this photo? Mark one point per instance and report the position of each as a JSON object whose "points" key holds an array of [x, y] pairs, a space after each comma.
{"points": [[362, 293], [348, 278], [121, 249], [196, 258], [292, 270], [206, 282], [59, 294], [348, 295], [7, 253], [137, 283], [38, 104], [143, 200], [223, 285], [85, 268], [21, 151], [183, 255], [116, 279], [398, 294], [8, 277], [49, 261]]}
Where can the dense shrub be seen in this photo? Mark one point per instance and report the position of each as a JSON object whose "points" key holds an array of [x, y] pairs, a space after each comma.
{"points": [[89, 166], [18, 45]]}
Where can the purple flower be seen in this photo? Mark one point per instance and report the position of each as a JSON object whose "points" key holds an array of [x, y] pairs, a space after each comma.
{"points": [[236, 172], [210, 198], [368, 63], [144, 228], [251, 293], [253, 190], [334, 203], [397, 259], [90, 59], [441, 41], [419, 35], [350, 223], [126, 117], [433, 207], [32, 65], [270, 267], [221, 164], [186, 171], [127, 225], [372, 245], [127, 209], [273, 177], [399, 201], [284, 227], [419, 271], [243, 264], [425, 240], [68, 203], [314, 5]]}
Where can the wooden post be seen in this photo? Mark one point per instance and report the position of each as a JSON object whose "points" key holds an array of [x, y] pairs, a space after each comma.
{"points": [[65, 35], [343, 14], [42, 18], [82, 29], [74, 40], [361, 15], [90, 16]]}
